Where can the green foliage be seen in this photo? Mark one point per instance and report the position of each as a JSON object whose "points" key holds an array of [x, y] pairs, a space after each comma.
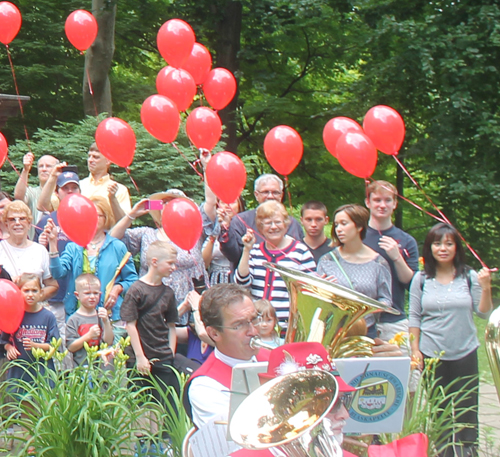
{"points": [[87, 411], [431, 411], [156, 166]]}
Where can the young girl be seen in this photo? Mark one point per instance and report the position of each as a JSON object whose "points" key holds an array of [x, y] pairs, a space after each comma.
{"points": [[267, 329], [37, 329]]}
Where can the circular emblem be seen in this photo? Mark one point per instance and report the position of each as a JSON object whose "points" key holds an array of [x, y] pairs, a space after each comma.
{"points": [[376, 402]]}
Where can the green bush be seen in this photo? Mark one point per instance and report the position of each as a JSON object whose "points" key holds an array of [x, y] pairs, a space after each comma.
{"points": [[85, 412]]}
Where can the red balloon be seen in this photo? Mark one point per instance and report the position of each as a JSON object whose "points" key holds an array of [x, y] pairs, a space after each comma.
{"points": [[219, 88], [10, 22], [178, 85], [11, 306], [357, 154], [81, 29], [4, 149], [175, 41], [160, 117], [116, 140], [335, 128], [226, 176], [77, 217], [181, 220], [199, 63], [204, 128], [283, 148], [386, 128]]}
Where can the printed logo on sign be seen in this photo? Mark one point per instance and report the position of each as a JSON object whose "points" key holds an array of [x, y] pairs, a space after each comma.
{"points": [[376, 402]]}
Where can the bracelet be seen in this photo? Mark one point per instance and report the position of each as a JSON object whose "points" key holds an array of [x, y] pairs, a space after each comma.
{"points": [[130, 217], [54, 254]]}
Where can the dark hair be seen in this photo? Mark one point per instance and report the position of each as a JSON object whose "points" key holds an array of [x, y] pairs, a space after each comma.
{"points": [[358, 214], [217, 298], [241, 204], [315, 205], [437, 233], [4, 195]]}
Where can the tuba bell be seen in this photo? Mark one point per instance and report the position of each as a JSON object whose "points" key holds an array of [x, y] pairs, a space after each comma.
{"points": [[322, 311], [287, 413], [492, 337]]}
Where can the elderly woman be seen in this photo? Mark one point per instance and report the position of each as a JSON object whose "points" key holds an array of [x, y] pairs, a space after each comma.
{"points": [[354, 265], [101, 257], [18, 254], [272, 221]]}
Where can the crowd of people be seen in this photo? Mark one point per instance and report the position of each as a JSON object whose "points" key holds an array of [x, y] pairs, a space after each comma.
{"points": [[206, 304]]}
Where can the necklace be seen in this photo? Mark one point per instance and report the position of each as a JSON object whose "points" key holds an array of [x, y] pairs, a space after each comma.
{"points": [[95, 244]]}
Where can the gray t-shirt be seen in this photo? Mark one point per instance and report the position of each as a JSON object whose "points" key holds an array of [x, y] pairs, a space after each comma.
{"points": [[444, 315], [77, 326], [372, 278]]}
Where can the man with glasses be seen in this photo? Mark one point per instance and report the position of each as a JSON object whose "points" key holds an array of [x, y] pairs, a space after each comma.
{"points": [[267, 187], [231, 320]]}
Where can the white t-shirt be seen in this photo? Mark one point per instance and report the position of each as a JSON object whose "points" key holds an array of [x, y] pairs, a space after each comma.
{"points": [[33, 259]]}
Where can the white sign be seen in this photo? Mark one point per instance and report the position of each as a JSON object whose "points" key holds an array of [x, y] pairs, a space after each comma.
{"points": [[379, 407]]}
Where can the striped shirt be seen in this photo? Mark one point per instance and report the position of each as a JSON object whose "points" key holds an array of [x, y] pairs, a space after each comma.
{"points": [[267, 284]]}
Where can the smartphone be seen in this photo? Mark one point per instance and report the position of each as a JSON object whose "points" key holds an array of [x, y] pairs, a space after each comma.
{"points": [[153, 204], [72, 168]]}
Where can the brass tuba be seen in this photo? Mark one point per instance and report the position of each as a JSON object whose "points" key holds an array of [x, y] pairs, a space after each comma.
{"points": [[492, 337], [288, 412], [323, 312]]}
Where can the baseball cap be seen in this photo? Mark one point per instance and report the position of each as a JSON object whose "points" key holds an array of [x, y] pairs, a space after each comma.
{"points": [[66, 177]]}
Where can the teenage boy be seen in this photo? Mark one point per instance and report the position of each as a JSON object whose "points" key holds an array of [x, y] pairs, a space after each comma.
{"points": [[314, 217], [88, 324], [396, 246], [150, 312]]}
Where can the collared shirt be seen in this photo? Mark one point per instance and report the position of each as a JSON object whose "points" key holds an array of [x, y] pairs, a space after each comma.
{"points": [[31, 199], [90, 187], [209, 398]]}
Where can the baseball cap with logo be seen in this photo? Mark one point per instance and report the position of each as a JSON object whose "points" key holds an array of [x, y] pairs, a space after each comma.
{"points": [[66, 177]]}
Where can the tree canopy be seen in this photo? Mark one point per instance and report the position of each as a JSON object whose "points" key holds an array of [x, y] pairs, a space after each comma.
{"points": [[299, 63]]}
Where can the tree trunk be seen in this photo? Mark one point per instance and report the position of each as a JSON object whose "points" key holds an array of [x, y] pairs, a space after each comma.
{"points": [[98, 58], [228, 46]]}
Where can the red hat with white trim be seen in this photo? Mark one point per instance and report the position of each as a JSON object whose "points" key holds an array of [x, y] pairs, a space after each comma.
{"points": [[293, 357]]}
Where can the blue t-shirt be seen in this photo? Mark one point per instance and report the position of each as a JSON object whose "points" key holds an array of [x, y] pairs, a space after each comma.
{"points": [[409, 250], [40, 327], [62, 241]]}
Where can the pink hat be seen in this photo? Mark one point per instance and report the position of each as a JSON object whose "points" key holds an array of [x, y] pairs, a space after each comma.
{"points": [[293, 357]]}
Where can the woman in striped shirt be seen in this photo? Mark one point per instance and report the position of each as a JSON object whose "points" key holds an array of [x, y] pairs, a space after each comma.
{"points": [[272, 221]]}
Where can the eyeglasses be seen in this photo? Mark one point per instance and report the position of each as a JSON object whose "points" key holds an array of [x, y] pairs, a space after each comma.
{"points": [[274, 193], [17, 219], [269, 224], [256, 321], [345, 398]]}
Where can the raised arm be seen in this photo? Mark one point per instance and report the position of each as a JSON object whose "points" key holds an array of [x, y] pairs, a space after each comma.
{"points": [[44, 203], [118, 231], [22, 182], [244, 266]]}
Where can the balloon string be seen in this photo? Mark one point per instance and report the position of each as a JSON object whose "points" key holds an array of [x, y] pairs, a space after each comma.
{"points": [[18, 98], [127, 169], [287, 187], [13, 166], [187, 160], [402, 197], [421, 190], [445, 219], [92, 92]]}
